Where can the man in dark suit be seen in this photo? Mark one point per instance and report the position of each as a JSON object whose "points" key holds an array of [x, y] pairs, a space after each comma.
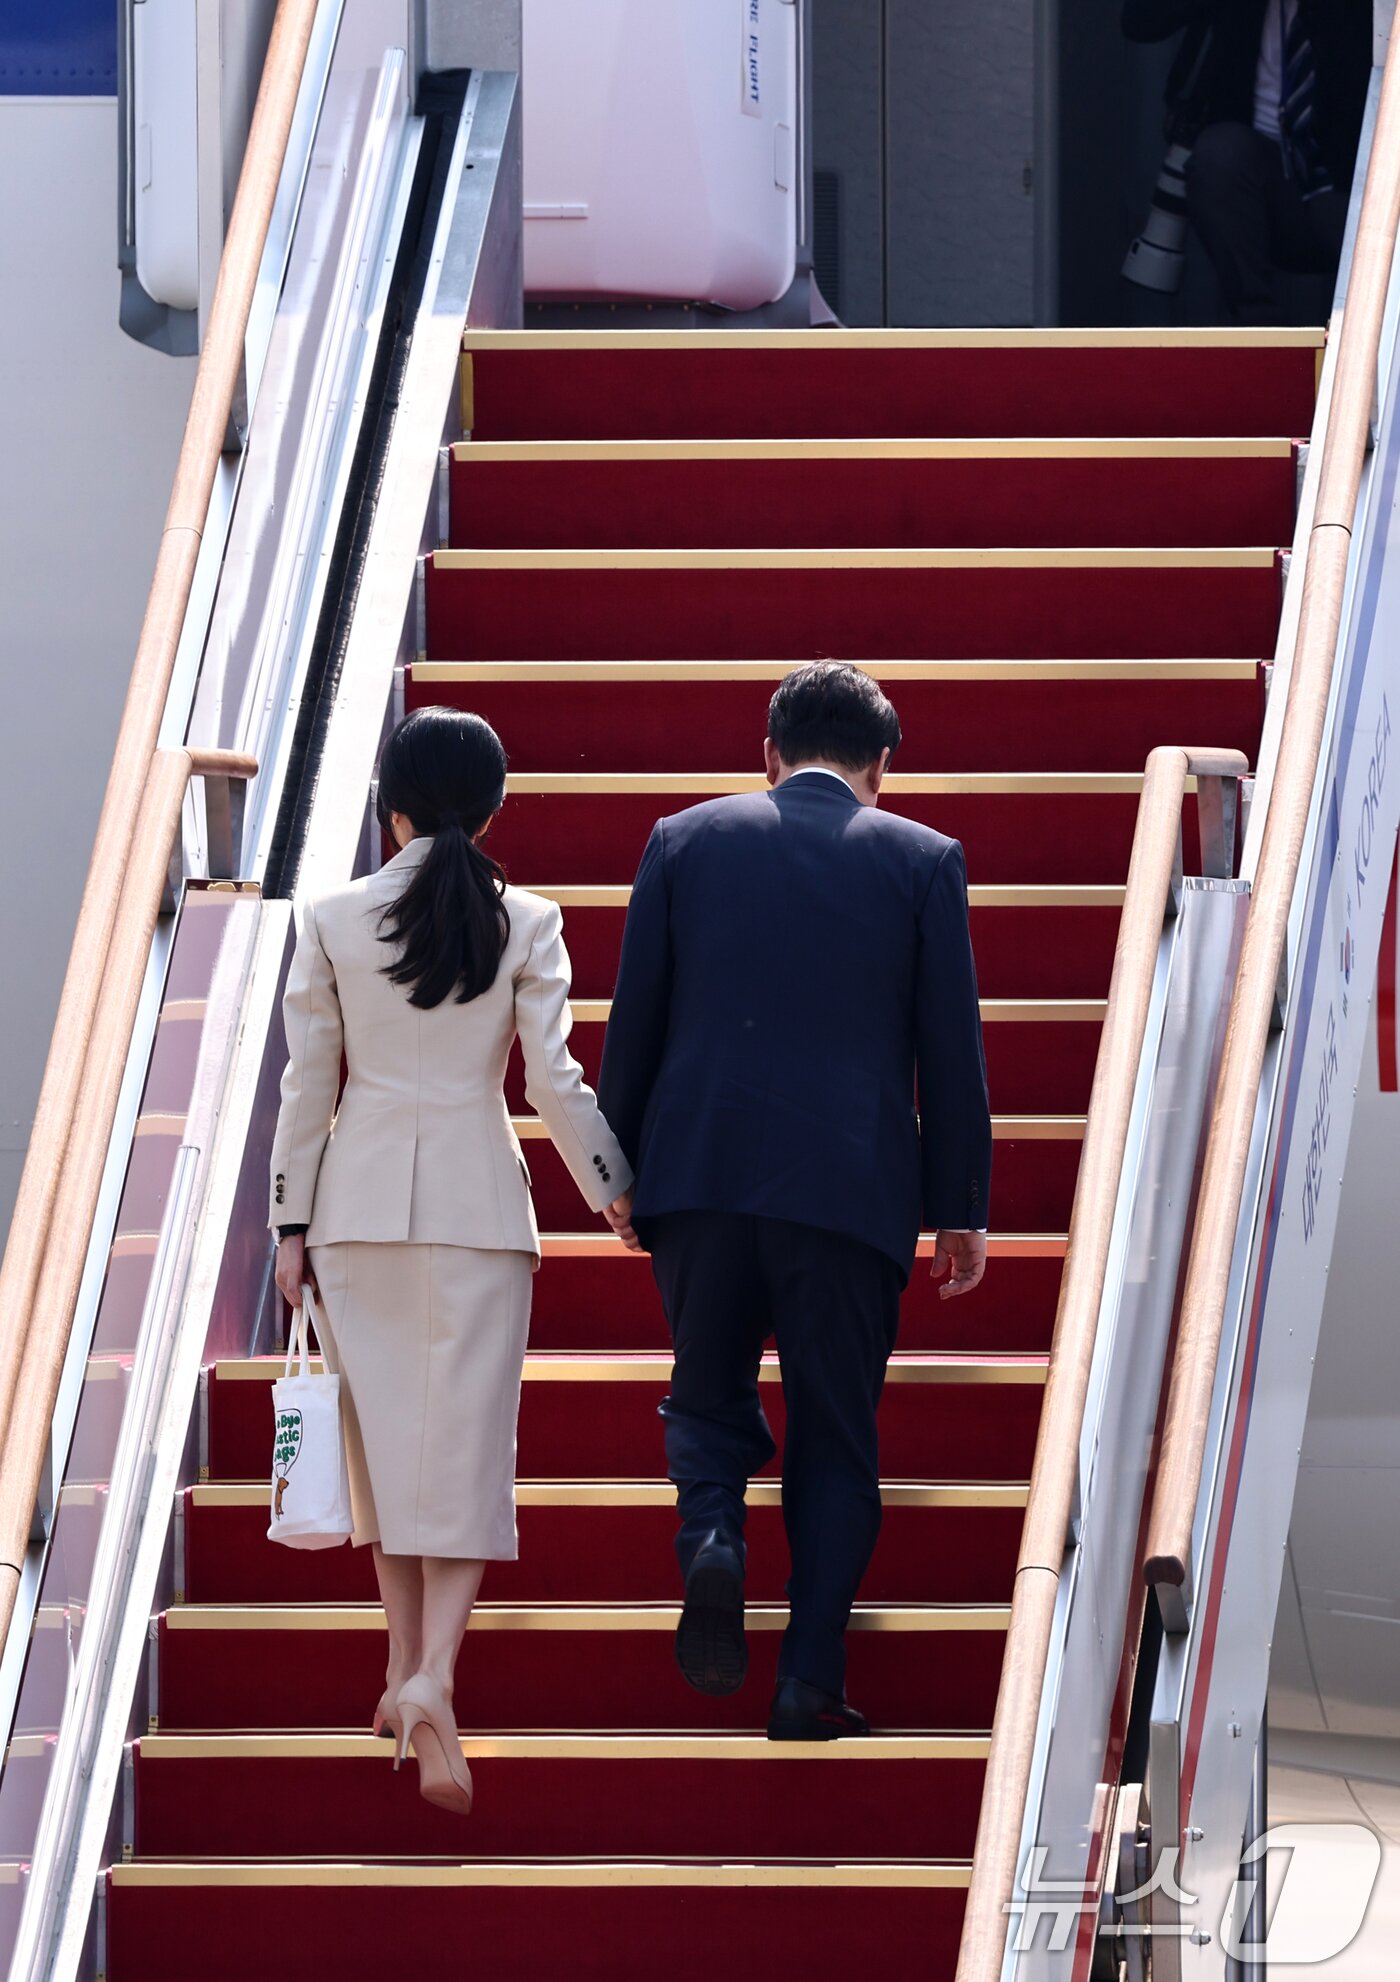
{"points": [[793, 960], [1276, 90]]}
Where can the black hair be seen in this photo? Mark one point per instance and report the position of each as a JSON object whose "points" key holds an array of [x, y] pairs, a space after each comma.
{"points": [[446, 771], [833, 711]]}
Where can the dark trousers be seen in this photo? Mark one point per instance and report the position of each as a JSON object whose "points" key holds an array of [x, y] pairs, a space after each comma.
{"points": [[1252, 222], [728, 1281]]}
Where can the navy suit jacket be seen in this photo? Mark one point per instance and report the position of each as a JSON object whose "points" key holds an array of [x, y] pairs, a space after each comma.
{"points": [[793, 962]]}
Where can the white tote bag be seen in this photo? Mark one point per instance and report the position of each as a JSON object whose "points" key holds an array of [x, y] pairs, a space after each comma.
{"points": [[310, 1482]]}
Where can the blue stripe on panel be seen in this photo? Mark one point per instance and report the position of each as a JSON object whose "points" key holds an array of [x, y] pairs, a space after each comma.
{"points": [[58, 47]]}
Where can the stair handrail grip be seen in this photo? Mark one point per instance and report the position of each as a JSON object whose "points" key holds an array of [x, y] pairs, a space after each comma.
{"points": [[50, 1208], [1167, 1556], [1150, 897]]}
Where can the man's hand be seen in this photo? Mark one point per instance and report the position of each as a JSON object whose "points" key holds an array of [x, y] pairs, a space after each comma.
{"points": [[619, 1216], [293, 1273], [966, 1253]]}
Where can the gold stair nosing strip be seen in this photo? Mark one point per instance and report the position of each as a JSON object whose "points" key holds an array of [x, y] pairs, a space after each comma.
{"points": [[999, 557], [933, 1746], [660, 1493], [995, 1011], [1236, 337], [183, 1011], [1001, 1245], [111, 1368], [918, 1874], [30, 1747], [878, 1618], [160, 1123], [630, 673], [901, 1369], [1213, 447], [984, 896], [644, 1367], [135, 1245], [724, 784], [1005, 1128]]}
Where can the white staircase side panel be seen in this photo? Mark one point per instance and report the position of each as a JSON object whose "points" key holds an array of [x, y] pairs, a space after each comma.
{"points": [[1214, 1679], [1097, 1624], [1338, 1675]]}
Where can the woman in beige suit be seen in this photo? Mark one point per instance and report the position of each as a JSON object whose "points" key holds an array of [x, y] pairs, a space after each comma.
{"points": [[407, 1207]]}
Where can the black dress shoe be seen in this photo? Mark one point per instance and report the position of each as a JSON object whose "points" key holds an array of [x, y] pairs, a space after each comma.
{"points": [[804, 1713], [710, 1648]]}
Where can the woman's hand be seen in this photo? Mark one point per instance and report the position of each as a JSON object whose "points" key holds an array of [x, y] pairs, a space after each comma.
{"points": [[293, 1273], [619, 1216]]}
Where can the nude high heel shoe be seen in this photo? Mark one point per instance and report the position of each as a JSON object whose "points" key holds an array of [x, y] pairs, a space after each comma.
{"points": [[427, 1724]]}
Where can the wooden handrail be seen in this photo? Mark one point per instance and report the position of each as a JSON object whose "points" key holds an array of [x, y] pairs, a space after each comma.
{"points": [[1152, 878], [1167, 1563], [57, 1194]]}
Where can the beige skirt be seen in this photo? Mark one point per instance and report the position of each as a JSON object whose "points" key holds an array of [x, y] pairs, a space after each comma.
{"points": [[428, 1342]]}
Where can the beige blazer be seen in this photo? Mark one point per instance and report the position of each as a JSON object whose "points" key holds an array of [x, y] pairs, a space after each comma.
{"points": [[421, 1147]]}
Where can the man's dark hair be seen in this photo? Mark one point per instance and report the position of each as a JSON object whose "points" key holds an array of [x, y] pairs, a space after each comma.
{"points": [[833, 711]]}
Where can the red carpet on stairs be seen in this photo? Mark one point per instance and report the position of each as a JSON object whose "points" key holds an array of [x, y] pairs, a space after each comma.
{"points": [[1038, 942], [691, 716], [1032, 828], [935, 604], [900, 385], [1057, 550], [790, 494]]}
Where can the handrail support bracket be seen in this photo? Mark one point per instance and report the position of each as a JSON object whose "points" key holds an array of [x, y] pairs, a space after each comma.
{"points": [[1217, 810], [225, 775]]}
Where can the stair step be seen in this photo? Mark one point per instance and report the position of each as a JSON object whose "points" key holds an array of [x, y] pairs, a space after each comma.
{"points": [[612, 1542], [974, 1416], [1030, 942], [593, 1294], [337, 1795], [579, 495], [585, 1919], [1040, 1052], [1034, 1167], [694, 716], [521, 385], [563, 1666], [1017, 828], [862, 604]]}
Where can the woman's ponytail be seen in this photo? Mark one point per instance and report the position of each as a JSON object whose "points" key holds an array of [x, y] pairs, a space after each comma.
{"points": [[445, 771]]}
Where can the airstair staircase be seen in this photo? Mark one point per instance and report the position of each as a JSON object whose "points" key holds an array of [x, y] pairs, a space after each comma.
{"points": [[1058, 551], [1075, 557]]}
